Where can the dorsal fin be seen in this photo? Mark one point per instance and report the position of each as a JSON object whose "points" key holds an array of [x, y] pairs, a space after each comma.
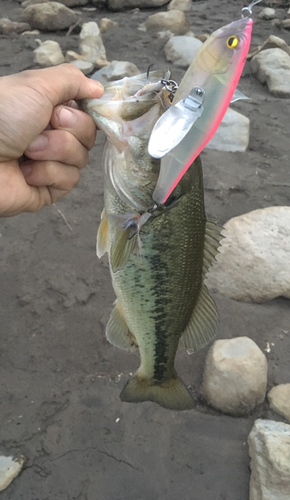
{"points": [[203, 323], [102, 235], [202, 326], [212, 240]]}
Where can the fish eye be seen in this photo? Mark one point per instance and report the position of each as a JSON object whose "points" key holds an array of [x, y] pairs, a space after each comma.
{"points": [[232, 42]]}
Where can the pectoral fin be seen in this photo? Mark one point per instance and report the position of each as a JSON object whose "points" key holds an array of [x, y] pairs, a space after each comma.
{"points": [[239, 96], [117, 331], [102, 236], [122, 247]]}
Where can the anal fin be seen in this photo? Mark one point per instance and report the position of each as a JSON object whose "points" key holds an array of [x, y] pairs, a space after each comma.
{"points": [[117, 331]]}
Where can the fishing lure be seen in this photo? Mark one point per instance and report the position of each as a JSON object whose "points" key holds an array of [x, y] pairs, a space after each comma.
{"points": [[200, 102]]}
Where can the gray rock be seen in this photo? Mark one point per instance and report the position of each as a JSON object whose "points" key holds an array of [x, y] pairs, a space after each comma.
{"points": [[117, 5], [181, 50], [233, 133], [279, 399], [49, 16], [7, 26], [173, 20], [31, 33], [275, 42], [267, 13], [48, 53], [9, 469], [67, 3], [253, 264], [269, 448], [74, 3], [33, 2], [276, 23], [235, 376], [183, 5], [203, 37], [72, 56], [85, 66], [272, 66], [286, 24], [91, 45], [105, 24], [115, 71], [162, 35]]}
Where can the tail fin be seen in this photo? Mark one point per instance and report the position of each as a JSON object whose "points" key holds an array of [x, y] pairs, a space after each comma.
{"points": [[171, 394]]}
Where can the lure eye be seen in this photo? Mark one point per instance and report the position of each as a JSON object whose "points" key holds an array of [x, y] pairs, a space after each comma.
{"points": [[232, 42]]}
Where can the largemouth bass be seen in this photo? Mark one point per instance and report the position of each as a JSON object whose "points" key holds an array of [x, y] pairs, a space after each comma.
{"points": [[157, 271]]}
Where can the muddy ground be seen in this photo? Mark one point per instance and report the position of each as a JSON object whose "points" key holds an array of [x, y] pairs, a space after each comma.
{"points": [[60, 379]]}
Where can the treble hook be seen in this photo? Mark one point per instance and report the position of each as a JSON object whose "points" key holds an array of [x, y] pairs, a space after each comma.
{"points": [[247, 11]]}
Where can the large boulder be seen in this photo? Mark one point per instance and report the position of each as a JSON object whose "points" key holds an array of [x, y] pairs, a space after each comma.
{"points": [[272, 66], [181, 50], [269, 448], [74, 3], [233, 133], [179, 5], [267, 13], [173, 20], [253, 264], [117, 5], [279, 399], [67, 3], [235, 376], [91, 44], [86, 67], [116, 71], [9, 469], [49, 16], [48, 53], [7, 26]]}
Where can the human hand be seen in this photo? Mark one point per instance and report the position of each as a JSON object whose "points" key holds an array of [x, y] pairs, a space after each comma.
{"points": [[37, 121]]}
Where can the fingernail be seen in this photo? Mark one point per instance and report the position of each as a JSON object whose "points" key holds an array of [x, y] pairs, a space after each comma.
{"points": [[26, 170], [67, 118], [38, 144], [98, 84]]}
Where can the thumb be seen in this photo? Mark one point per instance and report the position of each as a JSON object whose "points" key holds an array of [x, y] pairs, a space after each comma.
{"points": [[64, 83]]}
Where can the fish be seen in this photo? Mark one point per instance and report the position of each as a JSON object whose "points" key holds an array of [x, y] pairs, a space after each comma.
{"points": [[158, 267], [200, 103]]}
